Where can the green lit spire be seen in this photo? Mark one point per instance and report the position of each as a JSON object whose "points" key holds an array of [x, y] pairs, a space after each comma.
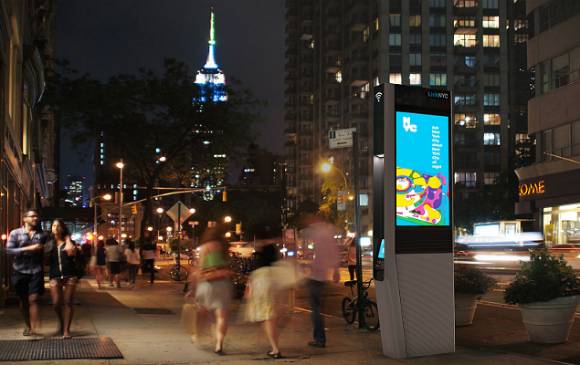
{"points": [[210, 62]]}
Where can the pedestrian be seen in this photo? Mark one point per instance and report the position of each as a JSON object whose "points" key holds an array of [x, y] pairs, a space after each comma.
{"points": [[133, 260], [213, 286], [351, 259], [65, 258], [261, 294], [100, 262], [114, 254], [26, 245], [148, 253], [324, 266]]}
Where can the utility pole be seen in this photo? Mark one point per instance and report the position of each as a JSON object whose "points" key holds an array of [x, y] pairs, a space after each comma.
{"points": [[359, 271]]}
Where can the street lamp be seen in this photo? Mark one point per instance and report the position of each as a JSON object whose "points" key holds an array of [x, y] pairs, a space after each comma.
{"points": [[95, 220], [227, 219], [326, 168], [120, 165], [192, 210], [159, 211]]}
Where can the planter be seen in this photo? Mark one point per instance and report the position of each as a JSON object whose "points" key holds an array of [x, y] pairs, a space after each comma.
{"points": [[551, 321], [465, 306]]}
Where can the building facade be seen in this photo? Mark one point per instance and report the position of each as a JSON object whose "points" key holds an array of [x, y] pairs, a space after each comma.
{"points": [[209, 164], [549, 188], [28, 131], [337, 50]]}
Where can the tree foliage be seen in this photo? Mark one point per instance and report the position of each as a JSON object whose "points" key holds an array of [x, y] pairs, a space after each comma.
{"points": [[140, 113]]}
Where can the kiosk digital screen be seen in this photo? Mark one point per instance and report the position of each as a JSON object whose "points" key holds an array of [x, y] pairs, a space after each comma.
{"points": [[381, 254], [422, 175]]}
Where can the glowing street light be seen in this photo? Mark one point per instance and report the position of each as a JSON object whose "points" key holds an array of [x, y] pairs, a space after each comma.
{"points": [[120, 165], [150, 229], [169, 229], [227, 219], [160, 210], [228, 234], [325, 167], [192, 210], [94, 200]]}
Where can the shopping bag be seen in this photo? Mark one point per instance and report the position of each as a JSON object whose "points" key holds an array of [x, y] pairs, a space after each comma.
{"points": [[189, 318]]}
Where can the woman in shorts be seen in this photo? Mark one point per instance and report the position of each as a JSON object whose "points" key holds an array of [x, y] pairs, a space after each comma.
{"points": [[63, 275]]}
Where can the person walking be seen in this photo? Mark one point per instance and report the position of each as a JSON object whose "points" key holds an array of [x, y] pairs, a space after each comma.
{"points": [[114, 253], [351, 259], [100, 262], [26, 245], [133, 261], [261, 293], [325, 266], [63, 274], [149, 253], [213, 287]]}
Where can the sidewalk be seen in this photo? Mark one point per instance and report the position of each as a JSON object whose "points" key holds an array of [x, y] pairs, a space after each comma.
{"points": [[158, 339]]}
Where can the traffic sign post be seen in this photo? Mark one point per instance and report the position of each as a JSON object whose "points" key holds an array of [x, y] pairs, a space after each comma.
{"points": [[179, 212], [340, 138]]}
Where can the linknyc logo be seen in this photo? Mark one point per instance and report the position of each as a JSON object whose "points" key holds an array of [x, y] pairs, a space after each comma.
{"points": [[437, 94]]}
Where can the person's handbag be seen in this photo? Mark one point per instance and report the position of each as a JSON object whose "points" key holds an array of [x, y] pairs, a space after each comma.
{"points": [[189, 318]]}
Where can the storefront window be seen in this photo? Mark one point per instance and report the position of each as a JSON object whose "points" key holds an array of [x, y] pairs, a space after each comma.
{"points": [[562, 224]]}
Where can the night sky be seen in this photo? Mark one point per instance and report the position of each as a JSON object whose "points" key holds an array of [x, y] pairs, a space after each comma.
{"points": [[108, 37]]}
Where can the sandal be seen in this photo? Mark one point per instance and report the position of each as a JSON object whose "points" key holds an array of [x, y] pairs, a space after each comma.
{"points": [[219, 352], [27, 332], [66, 337], [275, 355]]}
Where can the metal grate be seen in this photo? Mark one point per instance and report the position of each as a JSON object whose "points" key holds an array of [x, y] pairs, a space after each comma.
{"points": [[153, 311], [57, 349]]}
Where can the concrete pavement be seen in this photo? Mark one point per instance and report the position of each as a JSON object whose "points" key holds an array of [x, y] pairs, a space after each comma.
{"points": [[159, 339]]}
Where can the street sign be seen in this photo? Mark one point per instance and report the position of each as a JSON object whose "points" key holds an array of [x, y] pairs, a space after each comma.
{"points": [[179, 210], [340, 138]]}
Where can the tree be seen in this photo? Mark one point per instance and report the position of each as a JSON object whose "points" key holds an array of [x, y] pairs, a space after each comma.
{"points": [[144, 113]]}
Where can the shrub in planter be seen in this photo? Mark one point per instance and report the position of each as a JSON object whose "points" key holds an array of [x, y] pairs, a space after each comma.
{"points": [[470, 284], [546, 289]]}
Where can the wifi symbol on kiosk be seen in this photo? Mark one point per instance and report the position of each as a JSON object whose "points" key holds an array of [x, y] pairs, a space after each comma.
{"points": [[379, 96]]}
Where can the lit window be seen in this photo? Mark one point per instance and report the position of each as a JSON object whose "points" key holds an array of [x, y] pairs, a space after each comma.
{"points": [[438, 80], [520, 24], [468, 179], [395, 20], [491, 119], [470, 61], [395, 39], [491, 40], [395, 78], [377, 24], [415, 79], [338, 77], [465, 40], [464, 99], [491, 139], [464, 22], [490, 178], [490, 22], [415, 21], [466, 120], [491, 99], [465, 3], [521, 138]]}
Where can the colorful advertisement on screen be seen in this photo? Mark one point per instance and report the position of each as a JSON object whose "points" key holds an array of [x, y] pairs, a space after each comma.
{"points": [[422, 176]]}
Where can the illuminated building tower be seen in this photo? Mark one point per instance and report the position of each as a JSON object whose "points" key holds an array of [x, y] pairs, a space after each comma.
{"points": [[210, 80], [209, 164]]}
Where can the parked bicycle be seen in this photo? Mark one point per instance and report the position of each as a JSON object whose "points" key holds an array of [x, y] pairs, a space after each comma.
{"points": [[350, 306], [178, 274]]}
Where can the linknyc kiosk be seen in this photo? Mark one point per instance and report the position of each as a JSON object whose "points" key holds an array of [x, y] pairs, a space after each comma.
{"points": [[413, 220]]}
